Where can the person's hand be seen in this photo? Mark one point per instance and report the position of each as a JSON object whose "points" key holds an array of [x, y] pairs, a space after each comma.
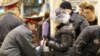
{"points": [[43, 45], [36, 41]]}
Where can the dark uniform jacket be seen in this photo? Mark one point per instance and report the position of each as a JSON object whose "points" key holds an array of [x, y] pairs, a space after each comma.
{"points": [[18, 42], [8, 22], [88, 42]]}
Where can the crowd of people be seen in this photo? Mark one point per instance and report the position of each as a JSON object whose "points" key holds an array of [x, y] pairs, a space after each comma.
{"points": [[77, 34]]}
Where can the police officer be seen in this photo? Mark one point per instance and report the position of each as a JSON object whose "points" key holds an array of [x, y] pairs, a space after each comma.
{"points": [[10, 19], [21, 41]]}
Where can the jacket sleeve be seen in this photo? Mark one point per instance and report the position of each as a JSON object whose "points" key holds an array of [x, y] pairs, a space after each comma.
{"points": [[84, 23], [82, 40], [59, 47], [26, 45]]}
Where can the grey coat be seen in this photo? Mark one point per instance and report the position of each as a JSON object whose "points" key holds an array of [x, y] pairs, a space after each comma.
{"points": [[18, 43], [8, 22], [78, 22]]}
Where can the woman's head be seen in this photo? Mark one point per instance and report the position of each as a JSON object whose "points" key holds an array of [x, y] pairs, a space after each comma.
{"points": [[63, 18]]}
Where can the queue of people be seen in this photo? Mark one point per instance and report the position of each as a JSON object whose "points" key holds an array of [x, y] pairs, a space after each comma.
{"points": [[76, 34]]}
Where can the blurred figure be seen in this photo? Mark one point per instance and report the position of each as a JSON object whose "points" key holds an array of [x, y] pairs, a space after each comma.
{"points": [[87, 43], [45, 28], [66, 31], [64, 36], [82, 6], [79, 23], [45, 34], [9, 20], [45, 12], [69, 24], [22, 41], [89, 12]]}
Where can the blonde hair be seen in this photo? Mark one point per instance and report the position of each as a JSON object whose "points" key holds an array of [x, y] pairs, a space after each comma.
{"points": [[83, 4]]}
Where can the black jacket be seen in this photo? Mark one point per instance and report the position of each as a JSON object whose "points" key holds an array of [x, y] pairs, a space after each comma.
{"points": [[88, 42], [63, 40], [95, 22]]}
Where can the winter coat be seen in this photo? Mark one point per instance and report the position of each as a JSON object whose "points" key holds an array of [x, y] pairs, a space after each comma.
{"points": [[88, 42], [18, 43], [62, 41], [79, 22], [8, 22]]}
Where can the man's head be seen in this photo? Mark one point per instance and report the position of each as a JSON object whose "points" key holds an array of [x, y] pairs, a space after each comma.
{"points": [[33, 21], [89, 12], [11, 5], [66, 5], [82, 6]]}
